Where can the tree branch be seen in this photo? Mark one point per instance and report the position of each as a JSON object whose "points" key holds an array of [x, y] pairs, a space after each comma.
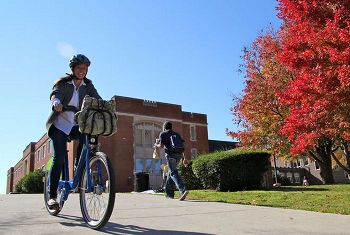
{"points": [[314, 157], [346, 169], [335, 149], [345, 148]]}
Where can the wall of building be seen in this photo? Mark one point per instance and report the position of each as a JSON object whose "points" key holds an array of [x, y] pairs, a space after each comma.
{"points": [[9, 184], [294, 169], [41, 154], [119, 148], [18, 173]]}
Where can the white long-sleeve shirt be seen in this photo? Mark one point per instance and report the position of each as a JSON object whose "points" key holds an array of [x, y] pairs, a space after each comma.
{"points": [[65, 120]]}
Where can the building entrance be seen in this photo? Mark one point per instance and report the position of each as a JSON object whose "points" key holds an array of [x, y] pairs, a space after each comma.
{"points": [[145, 135]]}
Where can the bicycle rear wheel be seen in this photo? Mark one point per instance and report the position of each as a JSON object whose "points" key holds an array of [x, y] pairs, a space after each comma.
{"points": [[56, 209], [97, 205]]}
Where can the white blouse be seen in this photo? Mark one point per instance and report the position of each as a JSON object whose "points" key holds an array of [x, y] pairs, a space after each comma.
{"points": [[65, 120]]}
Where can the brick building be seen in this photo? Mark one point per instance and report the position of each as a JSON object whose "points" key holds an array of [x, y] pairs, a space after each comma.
{"points": [[130, 149]]}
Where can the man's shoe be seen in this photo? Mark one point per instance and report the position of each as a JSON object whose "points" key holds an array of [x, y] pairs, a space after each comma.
{"points": [[52, 203], [183, 195], [169, 197]]}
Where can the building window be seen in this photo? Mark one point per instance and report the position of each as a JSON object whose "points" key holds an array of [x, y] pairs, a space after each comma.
{"points": [[193, 134], [194, 153], [44, 153], [317, 166], [290, 177], [146, 134], [157, 169], [149, 165], [139, 165], [298, 163], [38, 156], [25, 166], [297, 178], [148, 138], [138, 137], [49, 146]]}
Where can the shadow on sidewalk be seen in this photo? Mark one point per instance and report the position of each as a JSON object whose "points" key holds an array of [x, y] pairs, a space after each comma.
{"points": [[114, 228]]}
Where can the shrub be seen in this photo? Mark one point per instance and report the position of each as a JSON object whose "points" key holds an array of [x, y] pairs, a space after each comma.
{"points": [[231, 170], [19, 186], [189, 178], [31, 183], [283, 180]]}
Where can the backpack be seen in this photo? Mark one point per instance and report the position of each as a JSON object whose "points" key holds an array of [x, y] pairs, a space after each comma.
{"points": [[176, 144], [97, 117]]}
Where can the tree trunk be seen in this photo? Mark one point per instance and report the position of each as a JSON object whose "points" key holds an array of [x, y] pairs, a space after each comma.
{"points": [[346, 151], [323, 155]]}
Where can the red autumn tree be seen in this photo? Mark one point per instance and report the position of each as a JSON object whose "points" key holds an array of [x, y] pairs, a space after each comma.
{"points": [[316, 49], [258, 113]]}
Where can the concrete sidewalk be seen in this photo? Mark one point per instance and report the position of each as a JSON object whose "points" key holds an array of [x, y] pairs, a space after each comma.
{"points": [[149, 214]]}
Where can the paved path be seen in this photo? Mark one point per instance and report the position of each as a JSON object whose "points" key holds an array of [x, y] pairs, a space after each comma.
{"points": [[149, 214]]}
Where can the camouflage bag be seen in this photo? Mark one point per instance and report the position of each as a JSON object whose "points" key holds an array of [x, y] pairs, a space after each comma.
{"points": [[97, 117]]}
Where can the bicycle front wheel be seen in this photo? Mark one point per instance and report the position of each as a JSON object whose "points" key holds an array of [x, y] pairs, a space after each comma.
{"points": [[97, 206]]}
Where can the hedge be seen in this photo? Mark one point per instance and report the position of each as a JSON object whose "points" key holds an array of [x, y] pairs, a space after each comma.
{"points": [[231, 170], [31, 183], [189, 178]]}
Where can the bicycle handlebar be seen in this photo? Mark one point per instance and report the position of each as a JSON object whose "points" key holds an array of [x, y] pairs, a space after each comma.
{"points": [[70, 108], [67, 108]]}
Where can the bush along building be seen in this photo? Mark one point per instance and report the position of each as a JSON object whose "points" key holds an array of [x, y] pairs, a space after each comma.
{"points": [[130, 148]]}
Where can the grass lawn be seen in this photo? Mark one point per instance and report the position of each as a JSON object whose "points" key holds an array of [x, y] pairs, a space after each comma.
{"points": [[320, 198]]}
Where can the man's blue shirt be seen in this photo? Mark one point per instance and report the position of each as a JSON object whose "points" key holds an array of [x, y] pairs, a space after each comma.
{"points": [[164, 138]]}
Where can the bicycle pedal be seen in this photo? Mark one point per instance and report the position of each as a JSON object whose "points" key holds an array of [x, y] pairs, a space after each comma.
{"points": [[54, 207], [76, 190]]}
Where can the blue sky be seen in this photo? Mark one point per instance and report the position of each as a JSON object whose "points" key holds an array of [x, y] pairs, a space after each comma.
{"points": [[183, 52]]}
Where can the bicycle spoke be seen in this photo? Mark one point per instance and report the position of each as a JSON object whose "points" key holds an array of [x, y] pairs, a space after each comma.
{"points": [[97, 205]]}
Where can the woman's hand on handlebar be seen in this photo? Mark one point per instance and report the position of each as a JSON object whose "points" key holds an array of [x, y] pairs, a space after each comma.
{"points": [[58, 107]]}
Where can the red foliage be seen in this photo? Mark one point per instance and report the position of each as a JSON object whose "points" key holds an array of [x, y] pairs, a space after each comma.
{"points": [[316, 48], [259, 112]]}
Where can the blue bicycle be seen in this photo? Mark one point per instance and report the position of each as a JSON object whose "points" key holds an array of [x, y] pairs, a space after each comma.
{"points": [[94, 180]]}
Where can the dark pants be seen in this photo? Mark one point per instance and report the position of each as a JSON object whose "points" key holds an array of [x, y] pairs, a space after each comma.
{"points": [[173, 177], [59, 141]]}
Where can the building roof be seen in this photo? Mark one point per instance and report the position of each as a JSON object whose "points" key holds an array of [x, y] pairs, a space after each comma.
{"points": [[217, 145]]}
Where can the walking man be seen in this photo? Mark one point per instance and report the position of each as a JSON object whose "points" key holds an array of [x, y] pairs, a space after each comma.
{"points": [[172, 142]]}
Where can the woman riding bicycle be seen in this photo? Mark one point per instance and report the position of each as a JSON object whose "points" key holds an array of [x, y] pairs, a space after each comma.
{"points": [[61, 125]]}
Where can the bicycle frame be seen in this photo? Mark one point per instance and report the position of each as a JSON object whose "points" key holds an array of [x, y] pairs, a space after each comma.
{"points": [[67, 185]]}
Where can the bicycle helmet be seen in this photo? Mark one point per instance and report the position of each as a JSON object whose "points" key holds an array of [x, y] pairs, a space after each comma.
{"points": [[78, 59]]}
